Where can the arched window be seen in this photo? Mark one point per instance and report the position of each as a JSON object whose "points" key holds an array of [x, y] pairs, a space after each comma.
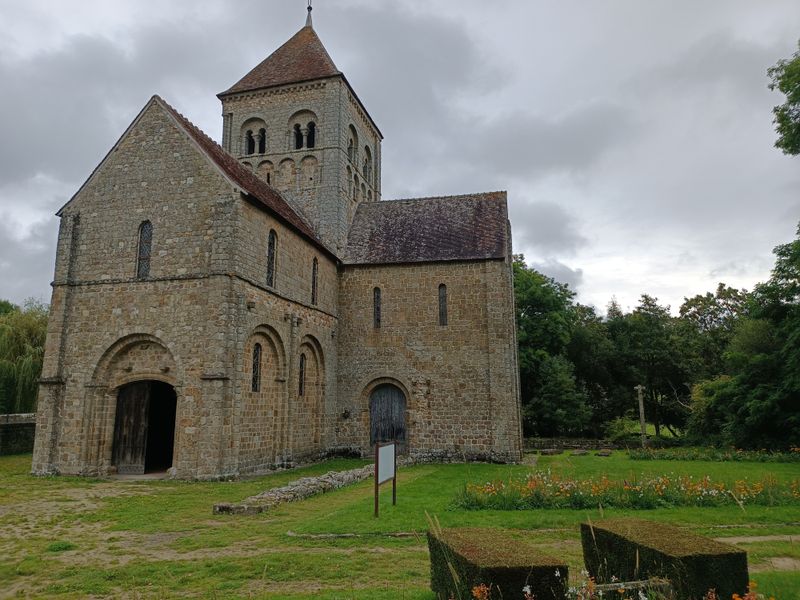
{"points": [[298, 137], [314, 271], [249, 143], [301, 376], [144, 250], [255, 383], [272, 248], [352, 146], [311, 139], [376, 307], [367, 170], [355, 187], [442, 304], [262, 141]]}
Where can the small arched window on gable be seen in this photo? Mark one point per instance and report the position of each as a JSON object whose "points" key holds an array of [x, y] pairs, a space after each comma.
{"points": [[272, 248], [442, 304], [301, 376], [376, 308], [311, 137], [255, 382], [314, 273], [262, 141], [144, 250], [249, 143], [298, 137]]}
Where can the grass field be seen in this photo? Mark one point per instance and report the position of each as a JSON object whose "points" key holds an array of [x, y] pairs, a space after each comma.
{"points": [[73, 538]]}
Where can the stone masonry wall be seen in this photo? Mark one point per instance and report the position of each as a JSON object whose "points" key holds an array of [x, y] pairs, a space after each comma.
{"points": [[16, 433], [460, 380]]}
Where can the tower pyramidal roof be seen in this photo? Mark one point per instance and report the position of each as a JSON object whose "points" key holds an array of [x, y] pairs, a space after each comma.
{"points": [[302, 58]]}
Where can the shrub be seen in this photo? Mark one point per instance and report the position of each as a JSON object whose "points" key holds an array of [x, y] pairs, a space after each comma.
{"points": [[464, 559], [635, 548]]}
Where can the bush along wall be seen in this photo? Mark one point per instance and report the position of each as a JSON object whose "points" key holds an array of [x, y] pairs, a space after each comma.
{"points": [[462, 559], [636, 549]]}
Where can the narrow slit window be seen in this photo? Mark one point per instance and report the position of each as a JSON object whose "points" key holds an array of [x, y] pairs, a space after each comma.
{"points": [[376, 307], [301, 383], [144, 250], [442, 304], [262, 141], [298, 137], [249, 143], [272, 247], [255, 384], [314, 273], [311, 139]]}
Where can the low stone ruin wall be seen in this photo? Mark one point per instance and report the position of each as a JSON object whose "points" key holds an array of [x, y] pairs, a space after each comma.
{"points": [[295, 490], [16, 433], [569, 444]]}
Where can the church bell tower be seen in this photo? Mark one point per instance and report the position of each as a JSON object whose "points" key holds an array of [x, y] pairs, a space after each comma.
{"points": [[297, 123]]}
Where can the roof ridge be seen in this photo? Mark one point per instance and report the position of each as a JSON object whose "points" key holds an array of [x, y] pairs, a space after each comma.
{"points": [[446, 197]]}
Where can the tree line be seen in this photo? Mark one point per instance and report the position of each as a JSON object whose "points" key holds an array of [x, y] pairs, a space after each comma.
{"points": [[725, 371]]}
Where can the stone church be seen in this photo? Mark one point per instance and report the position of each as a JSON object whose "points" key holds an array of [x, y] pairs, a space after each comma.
{"points": [[220, 310]]}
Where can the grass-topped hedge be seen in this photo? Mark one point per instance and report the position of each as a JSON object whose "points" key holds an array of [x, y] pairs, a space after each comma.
{"points": [[636, 548], [462, 559]]}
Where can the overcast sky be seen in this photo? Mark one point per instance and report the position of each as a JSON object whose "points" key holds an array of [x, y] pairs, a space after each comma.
{"points": [[634, 138]]}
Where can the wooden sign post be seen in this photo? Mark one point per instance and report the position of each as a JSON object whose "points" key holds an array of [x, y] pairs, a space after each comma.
{"points": [[385, 469]]}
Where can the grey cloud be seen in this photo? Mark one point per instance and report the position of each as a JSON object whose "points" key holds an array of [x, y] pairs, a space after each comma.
{"points": [[545, 227], [560, 272], [721, 58], [26, 265], [524, 145]]}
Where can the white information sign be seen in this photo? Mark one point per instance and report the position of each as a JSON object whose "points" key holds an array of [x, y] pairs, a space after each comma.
{"points": [[385, 463], [385, 470]]}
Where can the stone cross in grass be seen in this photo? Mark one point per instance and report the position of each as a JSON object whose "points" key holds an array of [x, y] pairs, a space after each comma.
{"points": [[640, 389]]}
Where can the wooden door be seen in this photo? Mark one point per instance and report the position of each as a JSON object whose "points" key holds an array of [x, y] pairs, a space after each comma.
{"points": [[130, 428], [387, 412]]}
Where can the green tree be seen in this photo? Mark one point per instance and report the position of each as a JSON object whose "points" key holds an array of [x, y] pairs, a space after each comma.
{"points": [[710, 320], [554, 403], [785, 76], [22, 336]]}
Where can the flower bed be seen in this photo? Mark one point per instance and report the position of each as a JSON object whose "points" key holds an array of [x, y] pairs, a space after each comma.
{"points": [[547, 490], [714, 454]]}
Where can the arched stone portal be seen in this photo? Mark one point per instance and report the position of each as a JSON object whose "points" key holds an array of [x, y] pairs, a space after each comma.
{"points": [[387, 415], [144, 427]]}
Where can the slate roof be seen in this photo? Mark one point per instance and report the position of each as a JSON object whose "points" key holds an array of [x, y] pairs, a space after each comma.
{"points": [[301, 58], [469, 227], [257, 189]]}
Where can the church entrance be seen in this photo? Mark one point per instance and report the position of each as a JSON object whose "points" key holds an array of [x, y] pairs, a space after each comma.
{"points": [[387, 415], [144, 428]]}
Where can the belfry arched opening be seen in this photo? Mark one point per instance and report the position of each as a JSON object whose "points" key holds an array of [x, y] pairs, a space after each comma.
{"points": [[144, 428]]}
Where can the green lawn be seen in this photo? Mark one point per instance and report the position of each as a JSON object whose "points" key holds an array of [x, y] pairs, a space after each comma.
{"points": [[70, 537]]}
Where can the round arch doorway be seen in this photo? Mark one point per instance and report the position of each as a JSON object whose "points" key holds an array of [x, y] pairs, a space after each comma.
{"points": [[144, 428], [387, 415]]}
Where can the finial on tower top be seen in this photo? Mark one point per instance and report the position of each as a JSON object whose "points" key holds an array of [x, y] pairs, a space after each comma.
{"points": [[308, 18]]}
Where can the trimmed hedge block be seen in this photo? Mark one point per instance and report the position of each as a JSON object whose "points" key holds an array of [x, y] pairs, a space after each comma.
{"points": [[496, 558], [636, 548]]}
